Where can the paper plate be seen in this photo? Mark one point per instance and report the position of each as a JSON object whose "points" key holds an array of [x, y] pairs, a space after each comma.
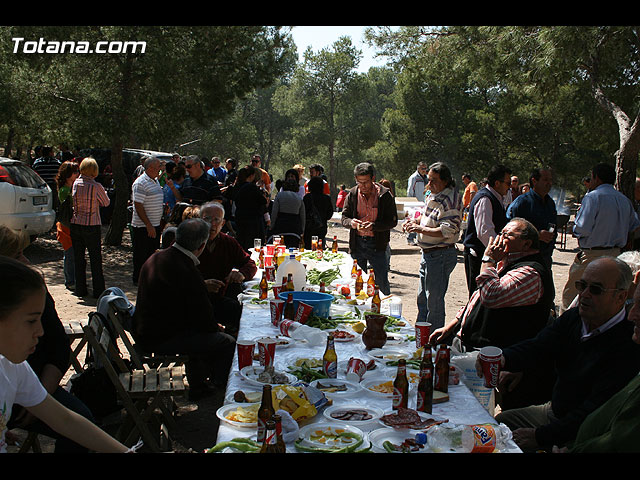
{"points": [[381, 435], [351, 387], [325, 435], [281, 340], [229, 408], [251, 374], [351, 413], [254, 396]]}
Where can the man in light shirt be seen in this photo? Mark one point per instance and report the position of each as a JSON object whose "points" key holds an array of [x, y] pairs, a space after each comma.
{"points": [[486, 218], [437, 231], [605, 223]]}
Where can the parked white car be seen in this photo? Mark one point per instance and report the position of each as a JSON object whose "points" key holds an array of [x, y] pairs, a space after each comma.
{"points": [[25, 199]]}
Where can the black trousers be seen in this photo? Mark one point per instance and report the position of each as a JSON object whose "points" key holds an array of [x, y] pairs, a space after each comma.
{"points": [[472, 266], [87, 239], [143, 247]]}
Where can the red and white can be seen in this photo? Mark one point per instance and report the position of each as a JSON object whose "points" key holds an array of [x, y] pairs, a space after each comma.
{"points": [[276, 306], [270, 270], [423, 330], [266, 351], [303, 312], [490, 361], [356, 369]]}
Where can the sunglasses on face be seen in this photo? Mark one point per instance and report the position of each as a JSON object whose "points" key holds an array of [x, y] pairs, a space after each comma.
{"points": [[593, 289]]}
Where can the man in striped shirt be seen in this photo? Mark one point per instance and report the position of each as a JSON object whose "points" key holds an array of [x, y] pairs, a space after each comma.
{"points": [[148, 202], [438, 229]]}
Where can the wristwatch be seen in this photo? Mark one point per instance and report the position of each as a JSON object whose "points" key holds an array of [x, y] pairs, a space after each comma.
{"points": [[488, 259]]}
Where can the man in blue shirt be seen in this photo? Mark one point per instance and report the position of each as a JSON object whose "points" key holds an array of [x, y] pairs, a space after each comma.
{"points": [[540, 209], [216, 171], [605, 223]]}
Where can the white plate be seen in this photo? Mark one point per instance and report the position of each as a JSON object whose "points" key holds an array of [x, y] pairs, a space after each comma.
{"points": [[381, 435], [320, 435], [346, 330], [378, 380], [351, 386], [375, 413], [254, 395], [282, 341], [251, 373], [224, 410], [383, 355]]}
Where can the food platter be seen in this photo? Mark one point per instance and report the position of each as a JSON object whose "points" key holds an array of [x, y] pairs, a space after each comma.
{"points": [[252, 374], [355, 414], [409, 419], [252, 396], [238, 410], [383, 355], [281, 340], [381, 386]]}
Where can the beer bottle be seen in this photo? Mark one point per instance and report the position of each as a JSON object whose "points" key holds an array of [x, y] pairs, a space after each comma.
{"points": [[261, 259], [289, 313], [282, 447], [359, 282], [320, 250], [425, 387], [301, 246], [265, 412], [270, 441], [375, 301], [334, 245], [323, 289], [330, 359], [401, 386], [371, 283], [290, 286], [264, 287], [354, 270], [442, 369]]}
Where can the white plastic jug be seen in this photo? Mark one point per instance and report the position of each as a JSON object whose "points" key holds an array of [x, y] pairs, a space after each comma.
{"points": [[293, 266]]}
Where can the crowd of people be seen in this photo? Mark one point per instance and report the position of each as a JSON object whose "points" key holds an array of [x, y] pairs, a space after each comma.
{"points": [[569, 380]]}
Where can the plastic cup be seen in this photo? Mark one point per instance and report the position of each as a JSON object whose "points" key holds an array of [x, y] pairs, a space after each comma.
{"points": [[356, 369], [268, 260], [395, 307], [276, 306], [490, 361], [271, 248], [423, 330], [245, 352], [303, 312], [257, 244], [271, 273], [266, 351]]}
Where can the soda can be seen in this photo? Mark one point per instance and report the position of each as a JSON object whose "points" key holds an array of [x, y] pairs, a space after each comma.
{"points": [[276, 307]]}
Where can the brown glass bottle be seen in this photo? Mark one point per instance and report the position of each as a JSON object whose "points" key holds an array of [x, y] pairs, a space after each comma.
{"points": [[334, 245], [425, 386], [264, 287], [401, 386], [282, 447], [441, 377], [289, 312], [354, 270], [265, 412], [375, 301], [359, 282], [290, 286], [371, 283], [270, 441]]}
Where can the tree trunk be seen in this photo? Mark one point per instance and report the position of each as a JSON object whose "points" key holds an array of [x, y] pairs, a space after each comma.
{"points": [[119, 218]]}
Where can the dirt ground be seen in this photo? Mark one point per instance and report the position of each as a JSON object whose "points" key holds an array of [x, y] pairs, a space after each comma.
{"points": [[197, 423]]}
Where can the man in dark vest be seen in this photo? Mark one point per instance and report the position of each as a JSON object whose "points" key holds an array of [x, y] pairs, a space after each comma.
{"points": [[486, 218], [513, 302]]}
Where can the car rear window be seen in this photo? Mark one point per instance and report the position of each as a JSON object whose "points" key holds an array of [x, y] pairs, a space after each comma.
{"points": [[20, 175]]}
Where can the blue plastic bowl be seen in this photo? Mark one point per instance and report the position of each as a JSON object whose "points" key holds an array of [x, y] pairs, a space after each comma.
{"points": [[321, 302]]}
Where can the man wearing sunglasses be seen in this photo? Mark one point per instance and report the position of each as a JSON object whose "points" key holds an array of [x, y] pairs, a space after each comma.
{"points": [[198, 187], [604, 225], [593, 353]]}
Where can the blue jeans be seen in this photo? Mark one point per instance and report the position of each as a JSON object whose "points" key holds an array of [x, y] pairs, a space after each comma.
{"points": [[435, 269], [366, 255]]}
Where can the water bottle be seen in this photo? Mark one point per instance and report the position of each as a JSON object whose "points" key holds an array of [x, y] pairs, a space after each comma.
{"points": [[299, 331], [292, 266], [483, 438]]}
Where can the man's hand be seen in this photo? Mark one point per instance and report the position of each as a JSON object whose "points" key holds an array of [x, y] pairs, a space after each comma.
{"points": [[546, 236], [496, 248], [525, 438], [151, 231], [234, 277], [509, 381], [213, 285]]}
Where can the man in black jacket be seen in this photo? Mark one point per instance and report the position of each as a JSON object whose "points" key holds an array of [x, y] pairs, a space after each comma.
{"points": [[370, 213], [593, 354]]}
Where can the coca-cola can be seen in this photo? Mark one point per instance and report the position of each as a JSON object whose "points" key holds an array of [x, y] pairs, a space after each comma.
{"points": [[356, 369], [270, 270], [490, 361], [303, 312], [276, 306]]}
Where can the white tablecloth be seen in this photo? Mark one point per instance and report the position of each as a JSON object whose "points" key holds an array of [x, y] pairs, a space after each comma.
{"points": [[462, 408]]}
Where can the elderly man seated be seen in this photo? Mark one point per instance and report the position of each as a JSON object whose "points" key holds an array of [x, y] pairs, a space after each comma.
{"points": [[224, 265], [512, 302], [593, 353], [174, 314]]}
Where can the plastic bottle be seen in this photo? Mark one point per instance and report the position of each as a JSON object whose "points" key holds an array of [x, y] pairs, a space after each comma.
{"points": [[468, 438], [298, 331], [296, 269]]}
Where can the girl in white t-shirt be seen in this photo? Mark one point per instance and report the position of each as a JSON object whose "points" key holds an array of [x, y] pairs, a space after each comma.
{"points": [[22, 298]]}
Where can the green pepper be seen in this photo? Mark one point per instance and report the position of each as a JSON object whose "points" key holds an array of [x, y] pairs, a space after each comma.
{"points": [[243, 444]]}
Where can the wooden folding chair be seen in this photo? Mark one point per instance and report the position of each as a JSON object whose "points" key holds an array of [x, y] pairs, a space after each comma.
{"points": [[74, 331], [140, 391]]}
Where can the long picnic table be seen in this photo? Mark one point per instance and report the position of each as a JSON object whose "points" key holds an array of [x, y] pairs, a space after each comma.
{"points": [[463, 406]]}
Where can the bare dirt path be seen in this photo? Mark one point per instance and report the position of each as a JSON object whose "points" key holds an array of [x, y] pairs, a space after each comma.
{"points": [[197, 425]]}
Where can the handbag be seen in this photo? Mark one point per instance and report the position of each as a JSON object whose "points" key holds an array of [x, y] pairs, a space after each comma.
{"points": [[65, 211]]}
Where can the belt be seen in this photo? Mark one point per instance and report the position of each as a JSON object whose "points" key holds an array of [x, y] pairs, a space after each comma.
{"points": [[430, 249]]}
